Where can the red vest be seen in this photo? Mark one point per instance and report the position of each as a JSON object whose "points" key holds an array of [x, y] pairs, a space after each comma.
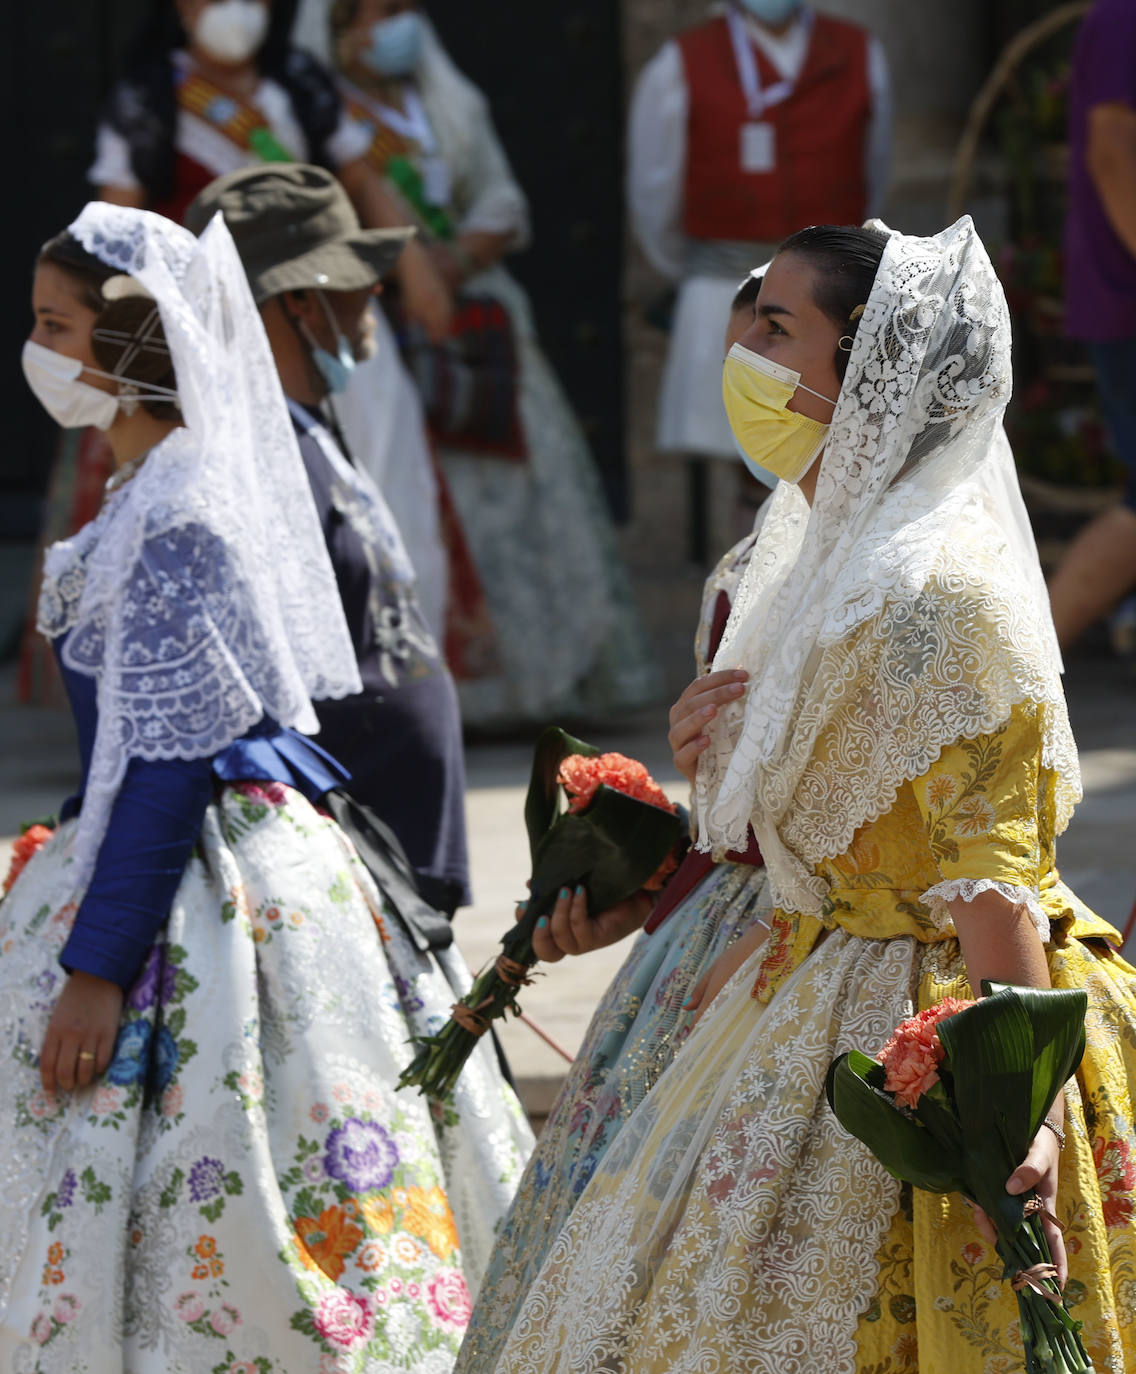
{"points": [[820, 135]]}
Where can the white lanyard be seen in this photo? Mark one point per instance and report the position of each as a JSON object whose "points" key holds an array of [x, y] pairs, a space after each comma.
{"points": [[410, 122], [757, 100]]}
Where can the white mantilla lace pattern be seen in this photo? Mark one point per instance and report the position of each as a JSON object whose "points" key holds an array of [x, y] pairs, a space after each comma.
{"points": [[906, 610], [201, 597]]}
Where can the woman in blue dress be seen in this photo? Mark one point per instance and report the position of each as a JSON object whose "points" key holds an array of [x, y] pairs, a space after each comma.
{"points": [[205, 998]]}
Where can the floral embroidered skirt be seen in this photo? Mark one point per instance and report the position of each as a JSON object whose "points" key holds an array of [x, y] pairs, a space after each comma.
{"points": [[244, 1190], [630, 1041], [733, 1225]]}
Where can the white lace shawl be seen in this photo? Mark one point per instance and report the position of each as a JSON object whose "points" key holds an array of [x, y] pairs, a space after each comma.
{"points": [[201, 598], [906, 610]]}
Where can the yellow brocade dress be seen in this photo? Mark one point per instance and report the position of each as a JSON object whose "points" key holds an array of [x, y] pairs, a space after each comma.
{"points": [[734, 1226]]}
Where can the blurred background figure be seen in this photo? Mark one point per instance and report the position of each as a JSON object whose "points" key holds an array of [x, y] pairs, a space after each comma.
{"points": [[768, 117], [210, 86], [563, 635], [1100, 264]]}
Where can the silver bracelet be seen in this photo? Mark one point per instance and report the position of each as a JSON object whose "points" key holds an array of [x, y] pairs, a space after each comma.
{"points": [[1058, 1131]]}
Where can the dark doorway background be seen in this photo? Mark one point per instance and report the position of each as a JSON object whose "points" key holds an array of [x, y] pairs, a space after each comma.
{"points": [[554, 79]]}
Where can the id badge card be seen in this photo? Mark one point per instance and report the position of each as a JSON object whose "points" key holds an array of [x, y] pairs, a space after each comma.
{"points": [[758, 148]]}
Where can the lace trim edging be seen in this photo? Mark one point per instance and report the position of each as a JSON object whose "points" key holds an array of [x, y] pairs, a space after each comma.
{"points": [[967, 889]]}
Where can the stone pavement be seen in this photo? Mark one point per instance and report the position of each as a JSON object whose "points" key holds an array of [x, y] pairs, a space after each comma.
{"points": [[1097, 854]]}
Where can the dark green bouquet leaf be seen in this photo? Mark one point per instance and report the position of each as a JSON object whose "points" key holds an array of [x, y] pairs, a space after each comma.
{"points": [[613, 847], [1005, 1059]]}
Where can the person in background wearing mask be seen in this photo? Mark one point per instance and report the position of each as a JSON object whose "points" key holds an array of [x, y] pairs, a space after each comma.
{"points": [[212, 85], [313, 273], [768, 117], [1100, 257], [562, 633]]}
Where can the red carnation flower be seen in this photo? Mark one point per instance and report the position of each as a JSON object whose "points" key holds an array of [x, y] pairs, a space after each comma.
{"points": [[33, 838]]}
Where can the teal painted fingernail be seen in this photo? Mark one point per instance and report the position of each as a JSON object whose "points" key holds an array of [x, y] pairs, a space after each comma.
{"points": [[564, 894], [540, 925], [686, 1004], [579, 889]]}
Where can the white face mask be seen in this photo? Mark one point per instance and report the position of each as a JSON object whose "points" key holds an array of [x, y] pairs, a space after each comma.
{"points": [[71, 403], [231, 30]]}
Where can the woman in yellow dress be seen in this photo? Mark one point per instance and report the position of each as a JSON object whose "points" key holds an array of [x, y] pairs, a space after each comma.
{"points": [[904, 757]]}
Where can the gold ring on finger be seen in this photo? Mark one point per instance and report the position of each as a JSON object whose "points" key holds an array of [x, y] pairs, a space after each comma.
{"points": [[87, 1054]]}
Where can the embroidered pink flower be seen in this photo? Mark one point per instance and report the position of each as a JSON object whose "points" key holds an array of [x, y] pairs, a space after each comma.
{"points": [[243, 1367], [343, 1319], [42, 1329], [913, 1054], [448, 1300], [272, 793], [41, 1105], [225, 1319], [319, 1113], [972, 1252], [107, 1099], [172, 1100], [66, 1308], [189, 1306]]}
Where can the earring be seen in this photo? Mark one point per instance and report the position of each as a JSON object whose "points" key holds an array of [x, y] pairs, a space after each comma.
{"points": [[127, 397], [845, 342]]}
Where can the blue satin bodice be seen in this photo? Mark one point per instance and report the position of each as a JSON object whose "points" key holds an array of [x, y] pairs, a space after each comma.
{"points": [[154, 826]]}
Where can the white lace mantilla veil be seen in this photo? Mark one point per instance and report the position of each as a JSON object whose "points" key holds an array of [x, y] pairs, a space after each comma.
{"points": [[201, 597], [906, 611]]}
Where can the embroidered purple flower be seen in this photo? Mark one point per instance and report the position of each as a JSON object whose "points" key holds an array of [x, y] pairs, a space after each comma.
{"points": [[361, 1155], [206, 1179], [65, 1194], [157, 981]]}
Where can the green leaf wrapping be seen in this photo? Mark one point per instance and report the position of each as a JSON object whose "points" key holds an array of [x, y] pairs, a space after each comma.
{"points": [[1010, 1055], [907, 1149], [542, 803], [613, 848]]}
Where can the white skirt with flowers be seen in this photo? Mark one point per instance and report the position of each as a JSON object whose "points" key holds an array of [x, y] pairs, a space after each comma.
{"points": [[244, 1190]]}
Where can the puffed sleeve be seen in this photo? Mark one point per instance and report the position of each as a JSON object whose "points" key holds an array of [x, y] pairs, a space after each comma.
{"points": [[153, 828], [979, 802], [656, 159]]}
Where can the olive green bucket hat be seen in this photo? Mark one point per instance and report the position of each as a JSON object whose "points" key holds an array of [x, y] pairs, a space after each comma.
{"points": [[295, 228]]}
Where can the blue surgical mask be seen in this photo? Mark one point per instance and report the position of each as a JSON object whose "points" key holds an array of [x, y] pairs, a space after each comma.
{"points": [[395, 45], [335, 368], [763, 475], [772, 11]]}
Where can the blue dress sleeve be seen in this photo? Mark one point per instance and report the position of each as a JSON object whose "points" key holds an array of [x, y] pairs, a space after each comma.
{"points": [[153, 828]]}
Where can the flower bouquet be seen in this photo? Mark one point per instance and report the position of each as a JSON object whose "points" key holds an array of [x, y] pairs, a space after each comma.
{"points": [[618, 834], [952, 1103]]}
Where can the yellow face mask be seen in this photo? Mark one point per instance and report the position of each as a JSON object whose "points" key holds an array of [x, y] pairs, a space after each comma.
{"points": [[756, 392]]}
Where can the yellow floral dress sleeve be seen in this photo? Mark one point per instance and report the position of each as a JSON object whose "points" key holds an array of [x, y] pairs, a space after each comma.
{"points": [[980, 802]]}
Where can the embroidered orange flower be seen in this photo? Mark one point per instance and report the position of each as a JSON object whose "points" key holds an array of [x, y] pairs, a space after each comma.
{"points": [[428, 1216], [378, 1215], [205, 1247], [55, 1253], [941, 789], [51, 1275], [329, 1238], [200, 1271], [1116, 1176]]}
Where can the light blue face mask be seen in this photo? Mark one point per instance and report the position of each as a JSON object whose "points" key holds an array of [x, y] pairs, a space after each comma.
{"points": [[395, 45], [772, 11], [763, 475], [335, 368]]}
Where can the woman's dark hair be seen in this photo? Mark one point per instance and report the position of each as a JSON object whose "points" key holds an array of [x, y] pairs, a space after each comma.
{"points": [[139, 341], [747, 293], [846, 259]]}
